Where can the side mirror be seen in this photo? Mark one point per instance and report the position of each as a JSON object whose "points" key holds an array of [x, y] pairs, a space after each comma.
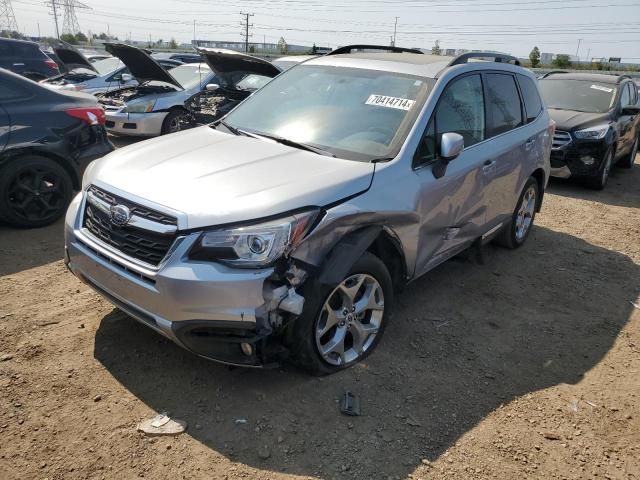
{"points": [[126, 77], [631, 110], [212, 87], [451, 146]]}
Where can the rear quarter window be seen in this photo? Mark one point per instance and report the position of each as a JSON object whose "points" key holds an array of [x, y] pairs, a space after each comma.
{"points": [[503, 104], [531, 97]]}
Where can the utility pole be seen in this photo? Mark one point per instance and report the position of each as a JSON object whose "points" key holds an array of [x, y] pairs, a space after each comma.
{"points": [[245, 34], [39, 37], [588, 53], [55, 17], [395, 27], [578, 49], [7, 17], [194, 33]]}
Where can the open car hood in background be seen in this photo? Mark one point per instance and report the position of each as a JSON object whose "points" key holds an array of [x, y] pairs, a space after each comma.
{"points": [[140, 63], [226, 63], [71, 56]]}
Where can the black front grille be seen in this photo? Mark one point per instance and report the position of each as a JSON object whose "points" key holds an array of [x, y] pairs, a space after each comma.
{"points": [[150, 247]]}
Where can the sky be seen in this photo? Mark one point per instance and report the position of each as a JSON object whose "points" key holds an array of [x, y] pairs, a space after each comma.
{"points": [[592, 28]]}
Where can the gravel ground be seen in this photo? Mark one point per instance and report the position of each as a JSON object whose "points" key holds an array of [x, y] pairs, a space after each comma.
{"points": [[524, 366]]}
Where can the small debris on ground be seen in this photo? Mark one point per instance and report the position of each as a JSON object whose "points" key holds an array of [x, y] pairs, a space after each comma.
{"points": [[552, 436], [350, 404], [264, 452], [6, 357], [413, 422], [97, 398], [162, 424], [240, 421]]}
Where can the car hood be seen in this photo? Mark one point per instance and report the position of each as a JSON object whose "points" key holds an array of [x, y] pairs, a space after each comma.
{"points": [[227, 62], [215, 178], [72, 57], [568, 120], [140, 63]]}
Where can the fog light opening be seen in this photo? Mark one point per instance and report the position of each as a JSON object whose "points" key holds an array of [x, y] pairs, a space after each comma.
{"points": [[587, 159], [246, 348]]}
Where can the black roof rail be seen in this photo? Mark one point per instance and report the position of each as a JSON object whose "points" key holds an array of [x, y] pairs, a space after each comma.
{"points": [[497, 57], [384, 48], [552, 72]]}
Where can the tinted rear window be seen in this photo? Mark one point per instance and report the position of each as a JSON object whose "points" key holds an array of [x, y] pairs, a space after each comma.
{"points": [[532, 102], [504, 111]]}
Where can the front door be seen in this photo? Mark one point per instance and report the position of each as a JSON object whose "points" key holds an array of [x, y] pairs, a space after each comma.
{"points": [[452, 207]]}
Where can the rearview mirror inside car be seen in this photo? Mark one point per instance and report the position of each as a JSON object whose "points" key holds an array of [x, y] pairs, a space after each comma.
{"points": [[212, 87], [126, 77]]}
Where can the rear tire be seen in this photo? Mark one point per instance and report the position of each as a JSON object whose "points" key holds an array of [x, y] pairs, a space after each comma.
{"points": [[628, 161], [517, 231], [34, 191], [360, 330]]}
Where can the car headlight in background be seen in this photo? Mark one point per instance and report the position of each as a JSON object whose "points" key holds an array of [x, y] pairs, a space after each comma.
{"points": [[254, 246], [139, 107], [592, 133]]}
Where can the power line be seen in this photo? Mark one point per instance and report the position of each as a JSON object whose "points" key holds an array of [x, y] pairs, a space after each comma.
{"points": [[70, 24]]}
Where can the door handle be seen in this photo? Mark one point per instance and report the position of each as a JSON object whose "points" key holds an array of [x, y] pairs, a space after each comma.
{"points": [[529, 143], [488, 166]]}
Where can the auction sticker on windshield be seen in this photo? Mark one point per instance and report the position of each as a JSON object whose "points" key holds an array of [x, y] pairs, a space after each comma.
{"points": [[602, 89], [390, 102]]}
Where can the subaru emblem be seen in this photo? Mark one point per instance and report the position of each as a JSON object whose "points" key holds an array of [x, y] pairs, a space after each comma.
{"points": [[120, 215]]}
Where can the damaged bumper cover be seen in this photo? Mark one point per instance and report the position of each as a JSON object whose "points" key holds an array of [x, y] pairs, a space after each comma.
{"points": [[214, 311]]}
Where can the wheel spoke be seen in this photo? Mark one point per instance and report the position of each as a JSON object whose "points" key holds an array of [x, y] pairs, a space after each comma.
{"points": [[336, 344], [361, 333], [368, 300], [349, 292], [332, 319]]}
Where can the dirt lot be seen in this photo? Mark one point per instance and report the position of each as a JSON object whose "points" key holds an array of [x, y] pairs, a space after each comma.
{"points": [[526, 366]]}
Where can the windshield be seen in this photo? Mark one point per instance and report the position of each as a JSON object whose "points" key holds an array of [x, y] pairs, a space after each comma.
{"points": [[191, 75], [353, 113], [578, 95], [253, 82]]}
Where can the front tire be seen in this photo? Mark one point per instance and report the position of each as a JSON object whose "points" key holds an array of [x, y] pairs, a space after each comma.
{"points": [[175, 121], [342, 324], [627, 162], [517, 231], [34, 191], [600, 181]]}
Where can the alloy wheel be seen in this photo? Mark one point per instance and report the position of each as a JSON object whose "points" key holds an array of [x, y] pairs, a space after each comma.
{"points": [[524, 217], [175, 125], [36, 193], [349, 320]]}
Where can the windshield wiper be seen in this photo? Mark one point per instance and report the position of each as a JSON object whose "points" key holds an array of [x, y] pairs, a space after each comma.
{"points": [[291, 143]]}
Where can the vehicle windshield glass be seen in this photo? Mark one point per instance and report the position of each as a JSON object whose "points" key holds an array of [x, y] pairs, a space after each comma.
{"points": [[352, 113], [253, 82], [105, 66], [578, 95], [190, 75]]}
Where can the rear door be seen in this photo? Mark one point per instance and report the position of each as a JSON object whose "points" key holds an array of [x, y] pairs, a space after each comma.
{"points": [[452, 207], [511, 140], [626, 122]]}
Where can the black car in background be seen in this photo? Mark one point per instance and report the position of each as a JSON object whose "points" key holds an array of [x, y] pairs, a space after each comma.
{"points": [[47, 138], [597, 124], [26, 59]]}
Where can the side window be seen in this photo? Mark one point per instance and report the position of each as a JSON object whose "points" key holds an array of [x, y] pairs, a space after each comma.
{"points": [[460, 110], [531, 97], [504, 111], [625, 96]]}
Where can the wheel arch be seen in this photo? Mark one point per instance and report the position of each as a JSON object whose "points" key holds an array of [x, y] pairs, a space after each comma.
{"points": [[539, 175]]}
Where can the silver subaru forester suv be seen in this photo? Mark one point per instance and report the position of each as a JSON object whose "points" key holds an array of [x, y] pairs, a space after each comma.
{"points": [[283, 230]]}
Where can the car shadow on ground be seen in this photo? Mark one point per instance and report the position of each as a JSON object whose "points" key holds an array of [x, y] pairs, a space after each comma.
{"points": [[616, 192], [463, 340], [22, 249]]}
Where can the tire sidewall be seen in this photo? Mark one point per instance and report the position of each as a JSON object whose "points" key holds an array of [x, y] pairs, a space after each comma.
{"points": [[170, 116], [9, 170], [512, 228], [302, 339]]}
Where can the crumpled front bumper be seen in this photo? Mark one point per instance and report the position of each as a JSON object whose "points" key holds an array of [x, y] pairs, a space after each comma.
{"points": [[580, 158], [135, 124], [207, 308]]}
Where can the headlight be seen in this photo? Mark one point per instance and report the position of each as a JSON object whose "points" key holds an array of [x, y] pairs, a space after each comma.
{"points": [[139, 107], [592, 133], [253, 246]]}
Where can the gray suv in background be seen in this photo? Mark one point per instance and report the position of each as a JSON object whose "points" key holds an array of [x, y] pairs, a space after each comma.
{"points": [[284, 229]]}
